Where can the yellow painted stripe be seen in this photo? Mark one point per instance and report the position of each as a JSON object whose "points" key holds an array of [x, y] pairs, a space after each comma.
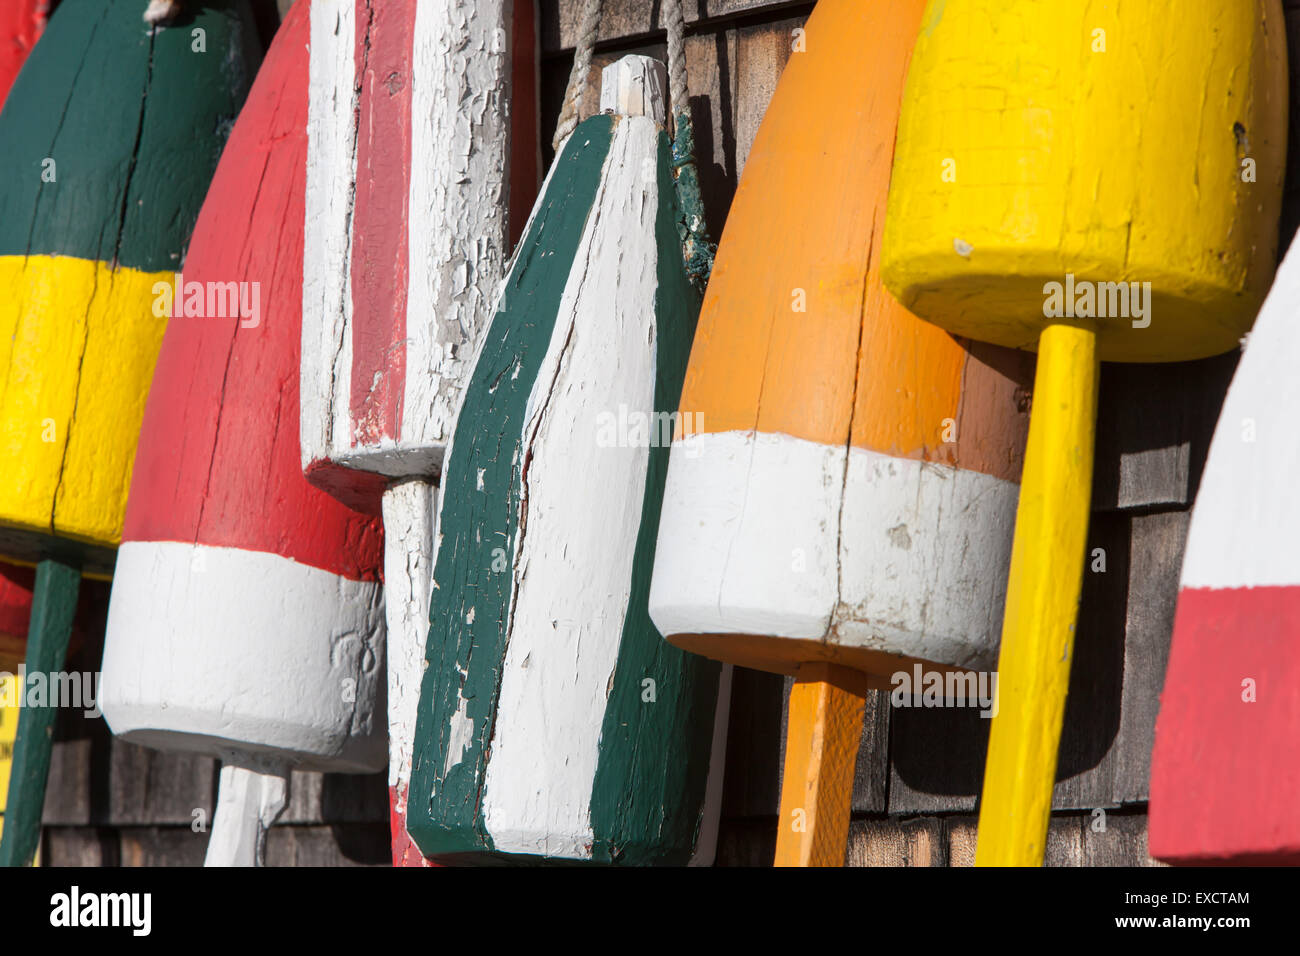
{"points": [[823, 732], [1038, 629], [8, 729], [78, 343], [1045, 138]]}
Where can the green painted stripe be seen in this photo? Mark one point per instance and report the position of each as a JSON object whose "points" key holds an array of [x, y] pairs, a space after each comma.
{"points": [[648, 792], [135, 123], [478, 528], [54, 606]]}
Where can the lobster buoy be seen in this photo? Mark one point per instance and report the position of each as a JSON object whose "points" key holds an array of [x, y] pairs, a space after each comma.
{"points": [[398, 282], [1044, 199], [21, 23], [1225, 770], [108, 140], [841, 507], [247, 612], [554, 722]]}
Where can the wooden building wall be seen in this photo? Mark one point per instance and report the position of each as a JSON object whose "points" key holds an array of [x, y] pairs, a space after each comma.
{"points": [[918, 771]]}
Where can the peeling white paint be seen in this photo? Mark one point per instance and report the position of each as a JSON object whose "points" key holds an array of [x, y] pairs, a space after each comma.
{"points": [[460, 734], [760, 536], [408, 565], [573, 572], [456, 229], [326, 286]]}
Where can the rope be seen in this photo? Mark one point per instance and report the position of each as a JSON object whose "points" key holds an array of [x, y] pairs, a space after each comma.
{"points": [[577, 88], [697, 249], [676, 26]]}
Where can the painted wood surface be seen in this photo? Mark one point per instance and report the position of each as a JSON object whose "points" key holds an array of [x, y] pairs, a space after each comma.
{"points": [[1225, 772], [1045, 582], [21, 25], [410, 179], [423, 164], [410, 513], [54, 606], [554, 722], [949, 255], [9, 711], [823, 505], [292, 668], [1095, 201], [93, 214], [1161, 420], [825, 728]]}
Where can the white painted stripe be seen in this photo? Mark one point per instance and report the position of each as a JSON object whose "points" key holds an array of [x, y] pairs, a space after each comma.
{"points": [[583, 502], [747, 536], [460, 147], [758, 537], [326, 288], [408, 571], [924, 554], [1246, 520], [216, 649]]}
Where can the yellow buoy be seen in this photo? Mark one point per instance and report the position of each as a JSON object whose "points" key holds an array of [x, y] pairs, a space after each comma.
{"points": [[1096, 182]]}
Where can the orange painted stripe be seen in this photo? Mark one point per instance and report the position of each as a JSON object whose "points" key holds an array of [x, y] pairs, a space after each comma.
{"points": [[809, 214], [824, 730]]}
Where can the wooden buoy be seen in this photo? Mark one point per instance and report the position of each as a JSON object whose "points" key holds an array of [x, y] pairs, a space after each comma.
{"points": [[409, 187], [247, 614], [108, 139], [553, 720], [1052, 191], [1225, 771], [840, 501], [21, 24]]}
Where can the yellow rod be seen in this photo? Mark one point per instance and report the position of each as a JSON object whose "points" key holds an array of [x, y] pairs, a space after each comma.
{"points": [[823, 733], [1038, 629]]}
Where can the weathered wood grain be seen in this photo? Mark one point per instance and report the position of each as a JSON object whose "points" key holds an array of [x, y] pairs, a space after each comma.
{"points": [[761, 53], [755, 745], [1153, 431], [915, 841], [746, 842], [937, 754], [361, 844], [628, 19], [1156, 557]]}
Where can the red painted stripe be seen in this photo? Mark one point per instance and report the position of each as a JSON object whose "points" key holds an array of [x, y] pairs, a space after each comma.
{"points": [[21, 24], [1225, 772], [405, 852], [385, 34], [15, 599], [525, 152], [218, 461], [16, 583]]}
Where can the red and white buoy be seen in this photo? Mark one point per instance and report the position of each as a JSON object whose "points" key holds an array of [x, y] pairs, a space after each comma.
{"points": [[1225, 771], [247, 612], [422, 137]]}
